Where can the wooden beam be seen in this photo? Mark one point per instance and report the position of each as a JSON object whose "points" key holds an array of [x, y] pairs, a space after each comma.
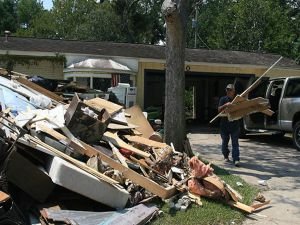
{"points": [[241, 206], [73, 144], [256, 83], [233, 193], [259, 205], [145, 141], [121, 158], [114, 139], [135, 177]]}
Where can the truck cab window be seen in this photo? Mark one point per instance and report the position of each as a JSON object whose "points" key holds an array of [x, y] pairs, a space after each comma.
{"points": [[293, 88]]}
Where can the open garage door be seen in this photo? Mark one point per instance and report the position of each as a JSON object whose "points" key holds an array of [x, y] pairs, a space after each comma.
{"points": [[206, 88]]}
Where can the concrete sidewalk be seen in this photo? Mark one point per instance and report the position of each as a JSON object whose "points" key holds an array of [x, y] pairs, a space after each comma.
{"points": [[263, 157]]}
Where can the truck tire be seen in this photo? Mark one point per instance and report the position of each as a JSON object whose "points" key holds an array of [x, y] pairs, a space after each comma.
{"points": [[296, 135]]}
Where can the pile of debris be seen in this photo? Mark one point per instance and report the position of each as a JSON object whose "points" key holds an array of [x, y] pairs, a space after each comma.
{"points": [[56, 157]]}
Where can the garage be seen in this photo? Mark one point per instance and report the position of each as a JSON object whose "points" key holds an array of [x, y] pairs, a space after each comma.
{"points": [[203, 91]]}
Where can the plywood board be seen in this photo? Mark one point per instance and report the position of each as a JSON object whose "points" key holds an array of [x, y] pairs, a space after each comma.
{"points": [[138, 118], [99, 104]]}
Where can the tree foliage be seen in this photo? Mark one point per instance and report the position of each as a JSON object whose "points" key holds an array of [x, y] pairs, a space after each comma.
{"points": [[27, 10], [8, 19], [256, 25]]}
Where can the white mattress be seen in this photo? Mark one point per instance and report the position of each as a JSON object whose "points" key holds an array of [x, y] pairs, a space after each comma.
{"points": [[67, 175]]}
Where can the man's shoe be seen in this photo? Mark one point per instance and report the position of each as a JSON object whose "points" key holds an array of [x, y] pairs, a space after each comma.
{"points": [[237, 163], [226, 159]]}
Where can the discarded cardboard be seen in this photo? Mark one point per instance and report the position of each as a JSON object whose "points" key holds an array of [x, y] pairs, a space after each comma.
{"points": [[137, 118]]}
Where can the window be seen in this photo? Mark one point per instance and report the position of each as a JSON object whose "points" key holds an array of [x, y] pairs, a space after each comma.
{"points": [[83, 81], [101, 83], [293, 88]]}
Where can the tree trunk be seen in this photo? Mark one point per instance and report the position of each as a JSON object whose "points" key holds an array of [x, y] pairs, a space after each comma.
{"points": [[174, 12]]}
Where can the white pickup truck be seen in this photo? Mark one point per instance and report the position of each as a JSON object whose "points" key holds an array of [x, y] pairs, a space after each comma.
{"points": [[284, 98]]}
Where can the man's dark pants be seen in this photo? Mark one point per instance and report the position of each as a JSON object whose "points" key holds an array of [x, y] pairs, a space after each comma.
{"points": [[230, 130]]}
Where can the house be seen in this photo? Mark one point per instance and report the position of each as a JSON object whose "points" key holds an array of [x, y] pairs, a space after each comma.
{"points": [[99, 64]]}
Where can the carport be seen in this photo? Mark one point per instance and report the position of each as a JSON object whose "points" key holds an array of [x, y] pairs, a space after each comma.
{"points": [[205, 89]]}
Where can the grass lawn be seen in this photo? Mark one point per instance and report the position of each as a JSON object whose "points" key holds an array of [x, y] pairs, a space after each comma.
{"points": [[212, 212]]}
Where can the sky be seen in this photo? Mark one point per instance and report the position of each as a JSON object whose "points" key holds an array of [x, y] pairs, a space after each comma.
{"points": [[47, 4]]}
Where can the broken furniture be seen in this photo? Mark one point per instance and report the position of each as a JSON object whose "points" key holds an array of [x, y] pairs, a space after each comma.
{"points": [[86, 123]]}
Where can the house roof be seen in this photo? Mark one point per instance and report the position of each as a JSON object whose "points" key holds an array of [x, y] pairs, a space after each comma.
{"points": [[140, 51]]}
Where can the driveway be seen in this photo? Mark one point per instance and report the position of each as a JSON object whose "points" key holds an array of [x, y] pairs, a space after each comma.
{"points": [[263, 157]]}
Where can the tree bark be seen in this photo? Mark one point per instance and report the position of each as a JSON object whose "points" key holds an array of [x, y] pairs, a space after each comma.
{"points": [[174, 12]]}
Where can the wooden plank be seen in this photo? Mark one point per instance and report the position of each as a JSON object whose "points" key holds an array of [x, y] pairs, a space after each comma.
{"points": [[72, 160], [256, 83], [40, 89], [145, 141], [259, 205], [138, 118], [144, 164], [121, 158], [113, 138], [114, 126], [99, 104], [241, 206], [233, 193], [135, 177], [73, 144], [3, 197]]}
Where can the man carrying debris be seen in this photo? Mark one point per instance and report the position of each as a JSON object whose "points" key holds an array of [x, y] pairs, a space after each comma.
{"points": [[229, 129]]}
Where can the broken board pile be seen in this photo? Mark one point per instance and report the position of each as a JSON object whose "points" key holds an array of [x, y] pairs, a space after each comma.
{"points": [[54, 152]]}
